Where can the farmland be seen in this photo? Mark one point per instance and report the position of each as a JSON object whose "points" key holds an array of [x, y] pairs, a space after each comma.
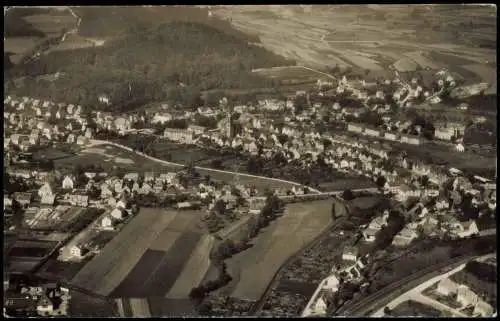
{"points": [[25, 28], [282, 238], [414, 309], [149, 256], [369, 37]]}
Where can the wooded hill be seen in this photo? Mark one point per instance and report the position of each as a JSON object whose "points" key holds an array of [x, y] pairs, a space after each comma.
{"points": [[154, 62]]}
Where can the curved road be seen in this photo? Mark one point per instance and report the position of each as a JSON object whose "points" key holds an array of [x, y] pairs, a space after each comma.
{"points": [[102, 142]]}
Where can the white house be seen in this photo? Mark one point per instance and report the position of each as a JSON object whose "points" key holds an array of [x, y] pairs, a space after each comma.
{"points": [[460, 147], [117, 214], [67, 183], [447, 287], [77, 251], [350, 253], [45, 190], [108, 222]]}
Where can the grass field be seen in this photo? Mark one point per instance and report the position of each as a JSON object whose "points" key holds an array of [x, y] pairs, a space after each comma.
{"points": [[52, 23], [71, 42], [83, 305], [253, 269]]}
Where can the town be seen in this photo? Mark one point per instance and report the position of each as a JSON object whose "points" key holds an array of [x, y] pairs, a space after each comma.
{"points": [[375, 173]]}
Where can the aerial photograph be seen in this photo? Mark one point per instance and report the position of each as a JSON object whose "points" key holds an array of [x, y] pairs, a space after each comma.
{"points": [[250, 161]]}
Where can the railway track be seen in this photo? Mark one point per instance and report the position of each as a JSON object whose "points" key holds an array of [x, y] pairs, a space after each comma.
{"points": [[388, 293]]}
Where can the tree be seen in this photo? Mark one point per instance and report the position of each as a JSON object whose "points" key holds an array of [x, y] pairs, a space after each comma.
{"points": [[387, 311], [381, 180], [347, 195]]}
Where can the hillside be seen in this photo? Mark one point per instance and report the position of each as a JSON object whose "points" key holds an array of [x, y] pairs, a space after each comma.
{"points": [[153, 61], [109, 22]]}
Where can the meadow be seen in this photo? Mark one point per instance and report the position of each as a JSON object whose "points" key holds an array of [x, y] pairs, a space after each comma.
{"points": [[254, 268]]}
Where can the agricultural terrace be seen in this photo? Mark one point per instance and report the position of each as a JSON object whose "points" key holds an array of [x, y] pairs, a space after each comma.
{"points": [[148, 256], [254, 268]]}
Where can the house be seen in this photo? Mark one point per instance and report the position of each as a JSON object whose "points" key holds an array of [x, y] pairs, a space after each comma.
{"points": [[44, 306], [355, 128], [108, 222], [369, 234], [67, 183], [483, 309], [161, 118], [404, 237], [391, 136], [460, 147], [179, 135], [197, 130], [444, 133], [106, 191], [82, 140], [122, 124], [78, 251], [372, 132], [350, 253], [466, 296], [122, 204], [48, 199], [117, 213], [79, 200], [131, 176], [71, 139], [465, 229], [45, 190]]}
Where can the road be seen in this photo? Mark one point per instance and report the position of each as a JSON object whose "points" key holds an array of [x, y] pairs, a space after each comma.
{"points": [[103, 142], [380, 298], [415, 294]]}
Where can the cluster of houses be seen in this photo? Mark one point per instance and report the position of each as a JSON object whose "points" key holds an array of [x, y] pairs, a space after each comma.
{"points": [[46, 300], [465, 297]]}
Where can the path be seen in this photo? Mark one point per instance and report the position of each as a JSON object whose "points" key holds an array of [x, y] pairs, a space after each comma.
{"points": [[298, 66], [103, 142], [415, 293]]}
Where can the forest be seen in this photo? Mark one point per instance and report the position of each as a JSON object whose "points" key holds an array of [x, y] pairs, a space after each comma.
{"points": [[171, 62]]}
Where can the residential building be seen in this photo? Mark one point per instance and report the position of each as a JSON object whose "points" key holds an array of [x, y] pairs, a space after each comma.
{"points": [[466, 296], [67, 183], [82, 140], [369, 234], [355, 128], [44, 306], [372, 132], [79, 200], [404, 237], [483, 309], [465, 229], [117, 213], [108, 222], [179, 135], [197, 130], [78, 251], [350, 253]]}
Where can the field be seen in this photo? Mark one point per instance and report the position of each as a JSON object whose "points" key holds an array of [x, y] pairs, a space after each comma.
{"points": [[276, 243], [86, 306], [31, 249], [71, 42], [110, 157], [367, 37], [28, 27], [148, 256]]}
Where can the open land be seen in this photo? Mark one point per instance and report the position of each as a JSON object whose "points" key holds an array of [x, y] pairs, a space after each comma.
{"points": [[370, 39], [277, 242], [153, 253]]}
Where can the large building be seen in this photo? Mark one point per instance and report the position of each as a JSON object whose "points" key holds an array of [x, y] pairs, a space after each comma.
{"points": [[179, 135]]}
